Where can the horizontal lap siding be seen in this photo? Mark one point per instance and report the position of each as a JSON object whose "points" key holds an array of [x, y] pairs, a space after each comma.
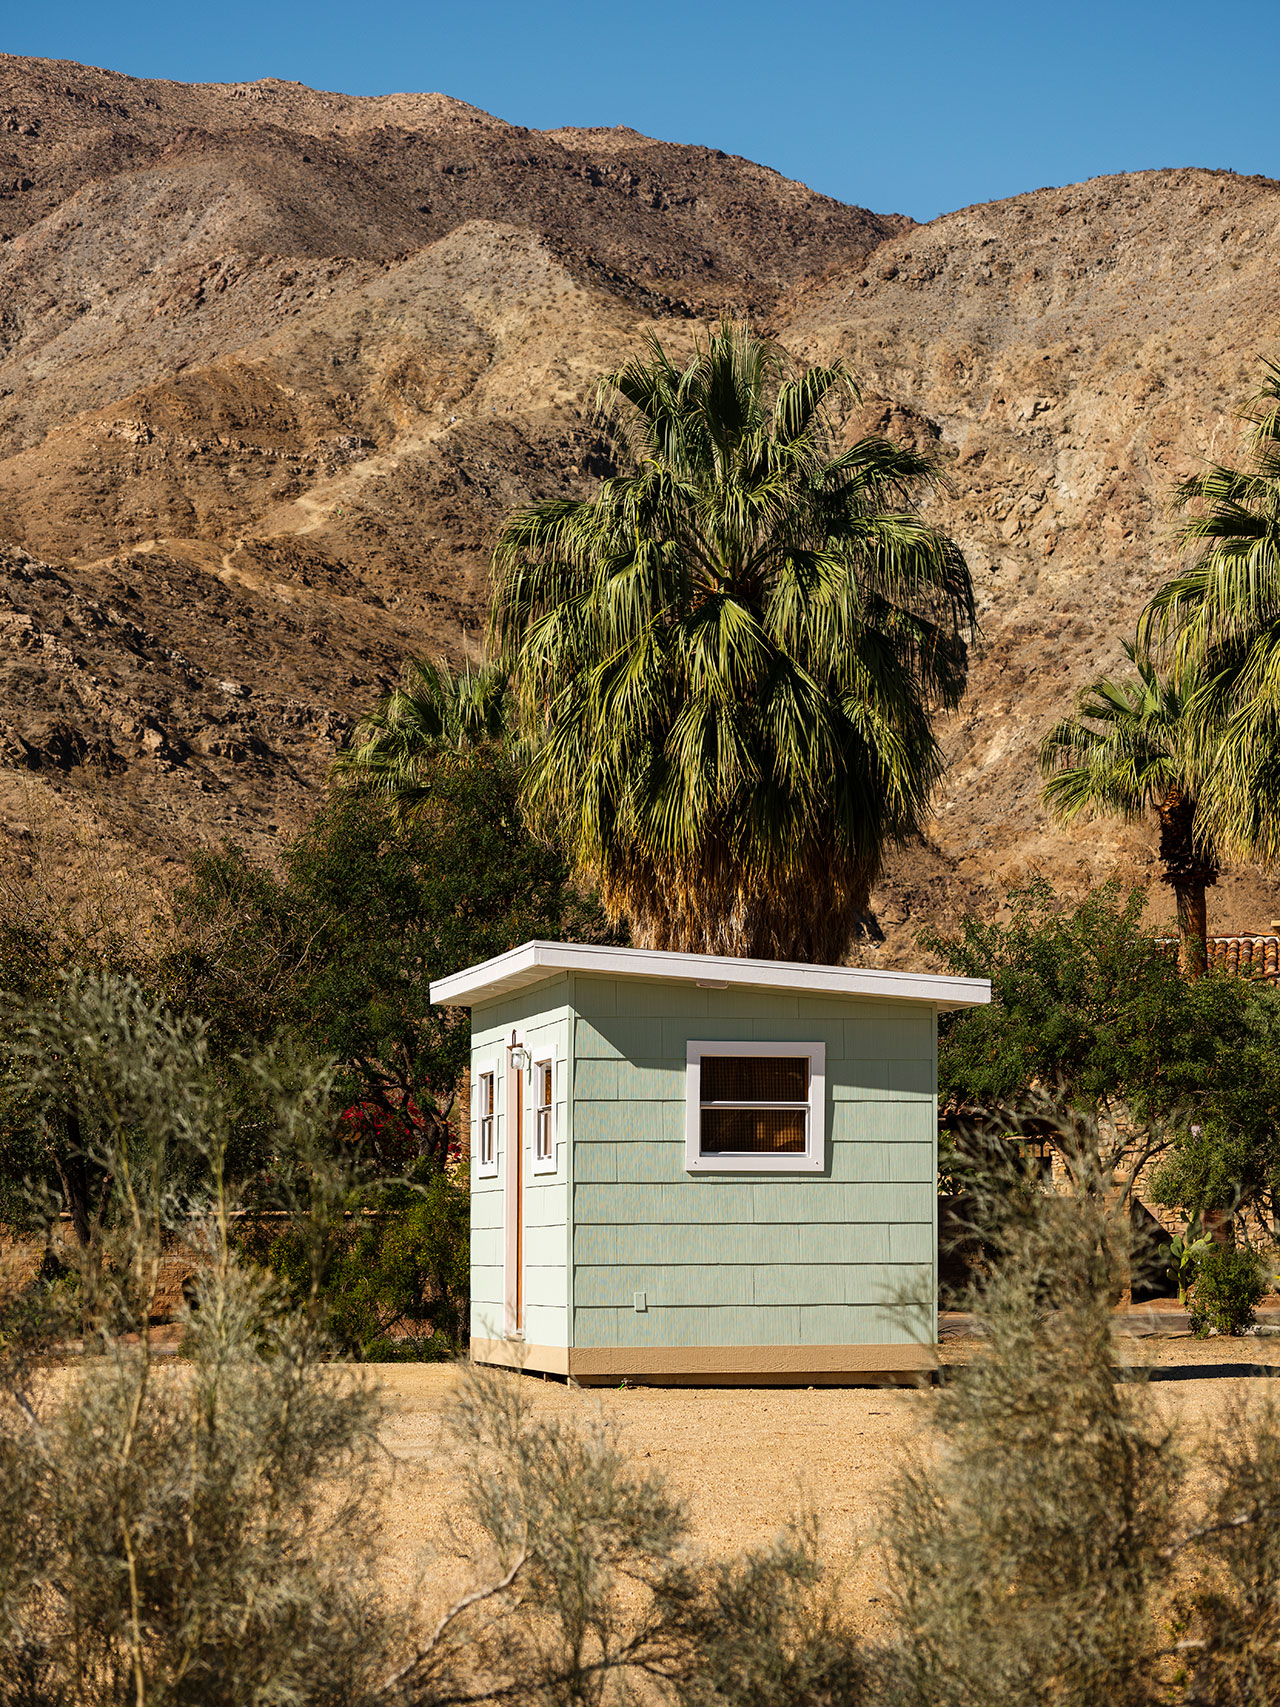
{"points": [[844, 1258], [751, 1325]]}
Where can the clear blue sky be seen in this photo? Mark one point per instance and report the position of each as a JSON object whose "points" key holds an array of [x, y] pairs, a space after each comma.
{"points": [[903, 108]]}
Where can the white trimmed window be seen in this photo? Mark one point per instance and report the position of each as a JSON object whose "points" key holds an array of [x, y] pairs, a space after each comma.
{"points": [[544, 1115], [486, 1151], [755, 1108]]}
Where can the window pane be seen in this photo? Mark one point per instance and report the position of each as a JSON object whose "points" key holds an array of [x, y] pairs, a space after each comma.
{"points": [[752, 1131], [544, 1085], [755, 1078]]}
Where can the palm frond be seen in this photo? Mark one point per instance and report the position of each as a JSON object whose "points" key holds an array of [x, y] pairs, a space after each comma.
{"points": [[727, 659]]}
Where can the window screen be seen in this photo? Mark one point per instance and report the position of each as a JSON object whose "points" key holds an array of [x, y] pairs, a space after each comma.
{"points": [[754, 1104], [755, 1078], [486, 1119], [542, 1083]]}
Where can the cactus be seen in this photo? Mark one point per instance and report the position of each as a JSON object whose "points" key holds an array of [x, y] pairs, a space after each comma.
{"points": [[1185, 1252]]}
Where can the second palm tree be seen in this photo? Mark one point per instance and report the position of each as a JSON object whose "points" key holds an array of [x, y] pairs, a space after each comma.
{"points": [[1135, 746]]}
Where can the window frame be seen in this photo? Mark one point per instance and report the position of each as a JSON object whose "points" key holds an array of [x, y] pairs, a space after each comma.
{"points": [[480, 1070], [538, 1060], [813, 1158]]}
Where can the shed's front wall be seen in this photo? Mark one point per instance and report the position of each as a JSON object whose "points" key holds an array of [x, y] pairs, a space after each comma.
{"points": [[541, 1020], [797, 1265]]}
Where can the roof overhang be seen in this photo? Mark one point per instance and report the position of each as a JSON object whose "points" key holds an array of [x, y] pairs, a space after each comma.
{"points": [[535, 962]]}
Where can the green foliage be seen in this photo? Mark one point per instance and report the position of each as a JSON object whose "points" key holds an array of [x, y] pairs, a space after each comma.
{"points": [[395, 1278], [64, 1106], [43, 1163], [1136, 746], [1088, 1006], [436, 716], [1229, 1286], [339, 947], [1184, 1253], [1225, 1151], [1130, 744], [1221, 614], [727, 661], [1085, 1003]]}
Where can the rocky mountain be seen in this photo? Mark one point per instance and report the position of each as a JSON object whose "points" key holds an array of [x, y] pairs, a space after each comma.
{"points": [[273, 363], [1070, 354]]}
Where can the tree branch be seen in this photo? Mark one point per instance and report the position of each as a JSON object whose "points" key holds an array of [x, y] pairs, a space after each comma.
{"points": [[455, 1611]]}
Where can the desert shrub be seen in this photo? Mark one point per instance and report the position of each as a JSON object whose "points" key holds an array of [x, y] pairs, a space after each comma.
{"points": [[1025, 1543], [1230, 1652], [595, 1593], [161, 1524], [1229, 1286]]}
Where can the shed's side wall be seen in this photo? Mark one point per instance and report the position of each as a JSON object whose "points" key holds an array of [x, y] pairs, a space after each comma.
{"points": [[541, 1018], [751, 1259]]}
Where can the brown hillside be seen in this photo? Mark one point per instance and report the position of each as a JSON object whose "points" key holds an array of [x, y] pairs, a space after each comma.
{"points": [[273, 362], [1071, 353]]}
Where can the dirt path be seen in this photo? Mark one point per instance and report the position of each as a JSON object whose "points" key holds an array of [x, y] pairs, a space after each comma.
{"points": [[744, 1459]]}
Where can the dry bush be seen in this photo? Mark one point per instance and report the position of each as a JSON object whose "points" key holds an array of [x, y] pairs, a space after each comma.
{"points": [[1045, 1546], [598, 1593], [1026, 1553], [184, 1533]]}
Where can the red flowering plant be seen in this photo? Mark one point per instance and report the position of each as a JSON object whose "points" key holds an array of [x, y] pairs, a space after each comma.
{"points": [[396, 1135]]}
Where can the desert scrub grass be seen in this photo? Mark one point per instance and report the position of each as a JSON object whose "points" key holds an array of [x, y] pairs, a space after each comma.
{"points": [[172, 1532], [590, 1592], [1026, 1545]]}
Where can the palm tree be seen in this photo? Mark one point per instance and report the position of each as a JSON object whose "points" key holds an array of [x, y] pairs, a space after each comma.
{"points": [[1134, 746], [436, 714], [728, 659], [1222, 612]]}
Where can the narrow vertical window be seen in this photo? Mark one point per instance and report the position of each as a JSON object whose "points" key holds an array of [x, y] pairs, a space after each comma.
{"points": [[485, 1114], [544, 1116]]}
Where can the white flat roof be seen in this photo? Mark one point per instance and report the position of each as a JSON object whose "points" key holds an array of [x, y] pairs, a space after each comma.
{"points": [[534, 962]]}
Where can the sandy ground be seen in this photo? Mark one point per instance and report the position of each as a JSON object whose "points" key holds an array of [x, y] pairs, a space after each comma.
{"points": [[745, 1459]]}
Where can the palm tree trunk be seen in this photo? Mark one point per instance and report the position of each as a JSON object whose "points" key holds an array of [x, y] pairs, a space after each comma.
{"points": [[1189, 869], [1193, 943]]}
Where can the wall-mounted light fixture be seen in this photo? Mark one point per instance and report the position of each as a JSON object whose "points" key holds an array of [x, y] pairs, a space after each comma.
{"points": [[519, 1058]]}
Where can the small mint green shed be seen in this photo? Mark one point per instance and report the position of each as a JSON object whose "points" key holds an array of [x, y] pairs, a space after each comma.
{"points": [[689, 1168]]}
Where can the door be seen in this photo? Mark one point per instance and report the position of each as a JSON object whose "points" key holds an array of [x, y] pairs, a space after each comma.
{"points": [[515, 1193]]}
